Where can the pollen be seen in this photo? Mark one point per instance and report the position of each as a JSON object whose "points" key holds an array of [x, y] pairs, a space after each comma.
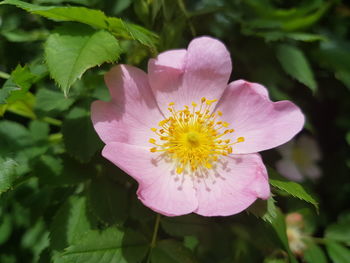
{"points": [[195, 138]]}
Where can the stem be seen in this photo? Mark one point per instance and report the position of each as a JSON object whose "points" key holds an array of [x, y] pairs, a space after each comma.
{"points": [[155, 231], [319, 240], [52, 121], [154, 237], [4, 75], [55, 137]]}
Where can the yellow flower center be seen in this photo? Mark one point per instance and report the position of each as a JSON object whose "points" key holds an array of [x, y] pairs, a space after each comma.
{"points": [[193, 137]]}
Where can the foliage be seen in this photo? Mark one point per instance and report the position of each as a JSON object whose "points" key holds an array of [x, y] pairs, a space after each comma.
{"points": [[60, 201]]}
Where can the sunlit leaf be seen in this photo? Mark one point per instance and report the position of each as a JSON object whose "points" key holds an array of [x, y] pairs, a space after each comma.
{"points": [[94, 18], [17, 85], [73, 49], [7, 174], [109, 246], [52, 101]]}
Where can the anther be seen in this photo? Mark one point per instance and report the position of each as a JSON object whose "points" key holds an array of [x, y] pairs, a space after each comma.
{"points": [[240, 139], [179, 170]]}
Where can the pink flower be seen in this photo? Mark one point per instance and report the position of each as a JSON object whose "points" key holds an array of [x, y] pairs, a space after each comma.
{"points": [[189, 139], [299, 159]]}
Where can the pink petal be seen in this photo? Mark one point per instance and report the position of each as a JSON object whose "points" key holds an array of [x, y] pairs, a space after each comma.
{"points": [[288, 169], [310, 147], [165, 76], [286, 150], [184, 77], [132, 111], [232, 186], [159, 187], [311, 171], [264, 124]]}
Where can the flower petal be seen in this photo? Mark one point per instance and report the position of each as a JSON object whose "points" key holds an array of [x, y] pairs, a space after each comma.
{"points": [[311, 171], [309, 145], [232, 186], [132, 111], [264, 124], [165, 76], [286, 150], [288, 169], [183, 77], [159, 187]]}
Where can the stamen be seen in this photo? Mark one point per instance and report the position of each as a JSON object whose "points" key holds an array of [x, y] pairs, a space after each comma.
{"points": [[193, 137]]}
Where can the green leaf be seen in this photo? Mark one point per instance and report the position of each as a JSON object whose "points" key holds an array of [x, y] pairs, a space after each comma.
{"points": [[296, 65], [108, 201], [298, 36], [75, 48], [16, 142], [186, 225], [335, 54], [14, 137], [6, 226], [291, 188], [36, 239], [337, 252], [275, 260], [79, 136], [94, 18], [303, 22], [39, 130], [314, 253], [108, 246], [19, 35], [191, 242], [84, 15], [53, 170], [279, 225], [340, 231], [7, 174], [17, 85], [265, 209], [70, 223], [52, 101], [23, 106], [171, 251]]}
